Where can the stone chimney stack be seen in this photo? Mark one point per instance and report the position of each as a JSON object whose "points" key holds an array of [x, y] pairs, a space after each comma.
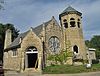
{"points": [[8, 38]]}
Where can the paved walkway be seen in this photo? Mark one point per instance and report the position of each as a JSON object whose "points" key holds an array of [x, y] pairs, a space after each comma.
{"points": [[80, 74]]}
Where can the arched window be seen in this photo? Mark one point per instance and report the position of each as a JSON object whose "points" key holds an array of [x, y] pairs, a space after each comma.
{"points": [[65, 23], [78, 23], [72, 22], [64, 20], [72, 19], [78, 19], [54, 44], [75, 49], [31, 49]]}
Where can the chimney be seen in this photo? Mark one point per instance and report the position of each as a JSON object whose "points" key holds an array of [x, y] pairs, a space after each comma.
{"points": [[8, 38]]}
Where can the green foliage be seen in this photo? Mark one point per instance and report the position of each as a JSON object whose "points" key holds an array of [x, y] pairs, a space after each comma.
{"points": [[97, 53], [85, 61], [69, 69], [3, 28], [94, 43], [61, 57], [88, 44], [1, 4]]}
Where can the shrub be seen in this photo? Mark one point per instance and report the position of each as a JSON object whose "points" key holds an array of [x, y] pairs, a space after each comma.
{"points": [[95, 61]]}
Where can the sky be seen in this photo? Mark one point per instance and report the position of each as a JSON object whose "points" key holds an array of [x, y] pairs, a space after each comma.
{"points": [[31, 13]]}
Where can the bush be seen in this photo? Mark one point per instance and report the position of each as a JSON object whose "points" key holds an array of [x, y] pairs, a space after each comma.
{"points": [[95, 61]]}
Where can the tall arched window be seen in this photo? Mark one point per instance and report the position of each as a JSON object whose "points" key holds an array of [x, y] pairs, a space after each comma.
{"points": [[72, 22], [75, 49], [65, 23], [54, 44]]}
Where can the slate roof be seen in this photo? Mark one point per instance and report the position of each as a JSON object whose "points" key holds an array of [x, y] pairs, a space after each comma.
{"points": [[16, 42], [37, 30], [69, 10]]}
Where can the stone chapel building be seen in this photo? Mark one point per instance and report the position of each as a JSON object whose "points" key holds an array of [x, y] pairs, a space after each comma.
{"points": [[31, 48]]}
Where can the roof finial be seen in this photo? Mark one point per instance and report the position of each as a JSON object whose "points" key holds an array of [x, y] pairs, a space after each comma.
{"points": [[69, 6], [53, 17]]}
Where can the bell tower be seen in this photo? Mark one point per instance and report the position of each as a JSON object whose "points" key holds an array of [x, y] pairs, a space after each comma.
{"points": [[71, 24]]}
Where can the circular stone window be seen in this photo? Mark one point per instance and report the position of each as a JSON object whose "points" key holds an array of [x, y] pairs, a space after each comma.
{"points": [[54, 44]]}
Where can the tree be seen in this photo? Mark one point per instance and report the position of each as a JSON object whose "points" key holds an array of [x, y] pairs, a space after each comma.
{"points": [[1, 4], [3, 28], [94, 43], [61, 57], [87, 42]]}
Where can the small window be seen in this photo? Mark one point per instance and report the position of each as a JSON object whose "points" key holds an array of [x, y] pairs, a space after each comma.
{"points": [[75, 48], [14, 52]]}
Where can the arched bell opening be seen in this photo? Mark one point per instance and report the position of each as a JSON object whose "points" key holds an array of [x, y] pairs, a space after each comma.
{"points": [[65, 23], [72, 22]]}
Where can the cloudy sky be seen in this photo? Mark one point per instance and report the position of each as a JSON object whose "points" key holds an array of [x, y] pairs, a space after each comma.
{"points": [[30, 13]]}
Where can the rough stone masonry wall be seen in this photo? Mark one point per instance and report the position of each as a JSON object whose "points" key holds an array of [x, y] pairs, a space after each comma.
{"points": [[31, 40], [75, 34], [17, 62], [11, 62], [53, 30]]}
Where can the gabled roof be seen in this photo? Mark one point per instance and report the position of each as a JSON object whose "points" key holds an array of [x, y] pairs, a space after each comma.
{"points": [[37, 30]]}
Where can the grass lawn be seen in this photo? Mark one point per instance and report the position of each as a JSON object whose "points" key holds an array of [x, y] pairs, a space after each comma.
{"points": [[67, 69]]}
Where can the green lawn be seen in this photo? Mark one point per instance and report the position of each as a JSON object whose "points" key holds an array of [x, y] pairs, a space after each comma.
{"points": [[67, 69]]}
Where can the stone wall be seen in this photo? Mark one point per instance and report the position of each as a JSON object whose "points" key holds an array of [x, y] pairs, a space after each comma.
{"points": [[31, 40], [74, 34], [18, 62], [52, 29]]}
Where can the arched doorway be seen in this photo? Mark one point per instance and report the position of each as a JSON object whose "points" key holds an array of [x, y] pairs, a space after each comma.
{"points": [[32, 57]]}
